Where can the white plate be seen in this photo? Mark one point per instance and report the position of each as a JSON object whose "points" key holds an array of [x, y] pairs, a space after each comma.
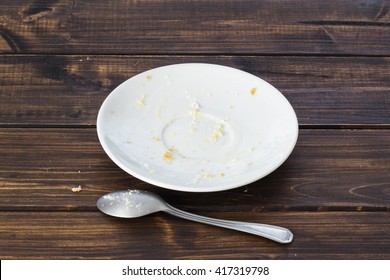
{"points": [[197, 127]]}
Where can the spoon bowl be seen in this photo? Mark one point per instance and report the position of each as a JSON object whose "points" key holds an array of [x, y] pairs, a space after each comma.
{"points": [[137, 203], [130, 204]]}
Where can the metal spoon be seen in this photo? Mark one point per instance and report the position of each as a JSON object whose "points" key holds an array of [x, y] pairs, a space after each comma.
{"points": [[136, 203]]}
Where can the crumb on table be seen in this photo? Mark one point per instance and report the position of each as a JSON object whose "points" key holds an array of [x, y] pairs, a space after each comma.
{"points": [[78, 189]]}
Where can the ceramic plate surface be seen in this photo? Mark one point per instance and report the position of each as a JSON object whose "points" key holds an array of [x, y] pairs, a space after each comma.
{"points": [[197, 127]]}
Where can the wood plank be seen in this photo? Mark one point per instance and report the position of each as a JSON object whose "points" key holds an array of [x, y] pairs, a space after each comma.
{"points": [[93, 235], [162, 27], [68, 90], [347, 170]]}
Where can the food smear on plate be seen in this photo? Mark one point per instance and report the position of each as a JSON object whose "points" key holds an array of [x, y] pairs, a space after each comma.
{"points": [[218, 133], [195, 112], [202, 176], [141, 101], [195, 109]]}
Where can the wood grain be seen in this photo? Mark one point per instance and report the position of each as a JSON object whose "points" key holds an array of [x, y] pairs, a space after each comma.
{"points": [[329, 170], [93, 235], [68, 90], [185, 27], [59, 59]]}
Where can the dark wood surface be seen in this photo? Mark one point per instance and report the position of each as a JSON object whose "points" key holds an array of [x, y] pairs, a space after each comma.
{"points": [[60, 59], [205, 26]]}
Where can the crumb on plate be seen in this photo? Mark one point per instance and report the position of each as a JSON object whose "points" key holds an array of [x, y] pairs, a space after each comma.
{"points": [[253, 91], [168, 154]]}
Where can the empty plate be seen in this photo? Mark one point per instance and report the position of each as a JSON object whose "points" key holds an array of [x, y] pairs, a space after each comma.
{"points": [[197, 127]]}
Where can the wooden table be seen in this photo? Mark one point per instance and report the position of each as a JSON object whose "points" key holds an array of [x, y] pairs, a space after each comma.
{"points": [[61, 58]]}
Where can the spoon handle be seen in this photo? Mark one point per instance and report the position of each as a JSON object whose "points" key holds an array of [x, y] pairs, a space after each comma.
{"points": [[275, 233]]}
